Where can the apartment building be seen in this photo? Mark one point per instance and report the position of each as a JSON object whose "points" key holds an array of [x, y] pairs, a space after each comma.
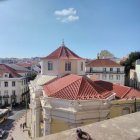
{"points": [[13, 86], [134, 80], [106, 70]]}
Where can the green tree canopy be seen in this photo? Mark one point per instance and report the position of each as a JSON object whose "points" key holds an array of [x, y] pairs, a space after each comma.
{"points": [[130, 61], [105, 54]]}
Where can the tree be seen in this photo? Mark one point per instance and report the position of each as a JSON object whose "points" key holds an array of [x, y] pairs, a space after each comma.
{"points": [[105, 54], [129, 63]]}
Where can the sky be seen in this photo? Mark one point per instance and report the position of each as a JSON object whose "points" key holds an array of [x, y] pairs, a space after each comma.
{"points": [[35, 28]]}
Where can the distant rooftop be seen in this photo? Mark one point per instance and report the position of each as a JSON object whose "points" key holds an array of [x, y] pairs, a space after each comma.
{"points": [[103, 63], [62, 53], [126, 127]]}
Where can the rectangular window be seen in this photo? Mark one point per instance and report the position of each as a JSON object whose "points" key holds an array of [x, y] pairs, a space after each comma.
{"points": [[13, 83], [81, 66], [68, 66], [111, 77], [6, 92], [104, 69], [111, 69], [13, 92], [6, 84], [118, 70], [50, 65], [118, 77]]}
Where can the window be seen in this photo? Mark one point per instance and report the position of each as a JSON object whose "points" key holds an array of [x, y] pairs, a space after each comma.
{"points": [[13, 92], [138, 108], [13, 83], [118, 77], [50, 65], [6, 84], [6, 92], [118, 70], [104, 69], [104, 76], [126, 110], [111, 77], [68, 66], [81, 66], [111, 69]]}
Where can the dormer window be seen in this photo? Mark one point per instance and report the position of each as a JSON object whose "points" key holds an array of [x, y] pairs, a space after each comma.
{"points": [[6, 75], [50, 66], [68, 66]]}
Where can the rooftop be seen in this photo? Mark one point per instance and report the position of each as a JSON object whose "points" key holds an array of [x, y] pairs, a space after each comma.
{"points": [[74, 87], [6, 69], [103, 63], [62, 53]]}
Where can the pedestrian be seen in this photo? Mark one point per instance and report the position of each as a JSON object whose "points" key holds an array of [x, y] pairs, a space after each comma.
{"points": [[25, 124], [21, 126]]}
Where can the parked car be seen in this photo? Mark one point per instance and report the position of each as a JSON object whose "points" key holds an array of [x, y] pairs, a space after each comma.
{"points": [[2, 133]]}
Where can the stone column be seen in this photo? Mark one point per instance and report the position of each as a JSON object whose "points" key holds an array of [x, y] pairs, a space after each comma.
{"points": [[36, 116], [47, 120]]}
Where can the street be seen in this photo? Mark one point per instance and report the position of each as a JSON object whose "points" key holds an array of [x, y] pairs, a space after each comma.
{"points": [[8, 125]]}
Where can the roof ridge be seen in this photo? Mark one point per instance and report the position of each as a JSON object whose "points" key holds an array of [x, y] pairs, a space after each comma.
{"points": [[80, 86], [67, 86], [127, 92]]}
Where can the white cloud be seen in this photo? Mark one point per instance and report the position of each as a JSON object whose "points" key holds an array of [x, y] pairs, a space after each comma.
{"points": [[66, 15]]}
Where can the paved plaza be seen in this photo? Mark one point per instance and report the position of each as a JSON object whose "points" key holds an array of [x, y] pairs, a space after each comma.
{"points": [[19, 133]]}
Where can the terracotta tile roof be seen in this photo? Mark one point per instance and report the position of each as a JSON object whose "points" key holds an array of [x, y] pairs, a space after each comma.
{"points": [[62, 53], [133, 93], [120, 90], [74, 87], [103, 63], [6, 69]]}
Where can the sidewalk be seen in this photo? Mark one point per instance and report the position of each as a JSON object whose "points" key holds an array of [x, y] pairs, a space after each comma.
{"points": [[20, 134]]}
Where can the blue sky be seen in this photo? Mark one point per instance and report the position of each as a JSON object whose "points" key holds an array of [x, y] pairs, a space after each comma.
{"points": [[30, 28]]}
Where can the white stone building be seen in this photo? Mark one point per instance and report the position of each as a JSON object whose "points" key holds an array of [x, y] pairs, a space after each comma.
{"points": [[106, 70], [13, 86], [134, 80]]}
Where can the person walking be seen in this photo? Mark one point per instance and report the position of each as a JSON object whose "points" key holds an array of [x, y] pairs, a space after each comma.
{"points": [[23, 126]]}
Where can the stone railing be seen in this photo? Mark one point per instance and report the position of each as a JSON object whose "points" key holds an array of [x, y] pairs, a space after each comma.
{"points": [[126, 127]]}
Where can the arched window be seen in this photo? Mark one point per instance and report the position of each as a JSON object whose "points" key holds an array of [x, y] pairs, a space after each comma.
{"points": [[126, 110]]}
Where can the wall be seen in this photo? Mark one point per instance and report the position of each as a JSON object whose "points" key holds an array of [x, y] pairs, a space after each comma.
{"points": [[118, 106]]}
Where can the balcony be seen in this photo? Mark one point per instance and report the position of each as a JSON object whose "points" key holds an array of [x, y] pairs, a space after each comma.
{"points": [[104, 72]]}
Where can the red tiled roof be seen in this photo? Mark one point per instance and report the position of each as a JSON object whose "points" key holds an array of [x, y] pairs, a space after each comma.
{"points": [[133, 93], [62, 53], [6, 69], [103, 63], [74, 87], [120, 90]]}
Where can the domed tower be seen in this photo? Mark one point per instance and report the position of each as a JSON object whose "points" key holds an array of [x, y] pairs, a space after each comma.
{"points": [[62, 61]]}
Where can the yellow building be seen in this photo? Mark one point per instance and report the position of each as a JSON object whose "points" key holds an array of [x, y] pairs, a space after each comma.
{"points": [[62, 98], [62, 61], [124, 106]]}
